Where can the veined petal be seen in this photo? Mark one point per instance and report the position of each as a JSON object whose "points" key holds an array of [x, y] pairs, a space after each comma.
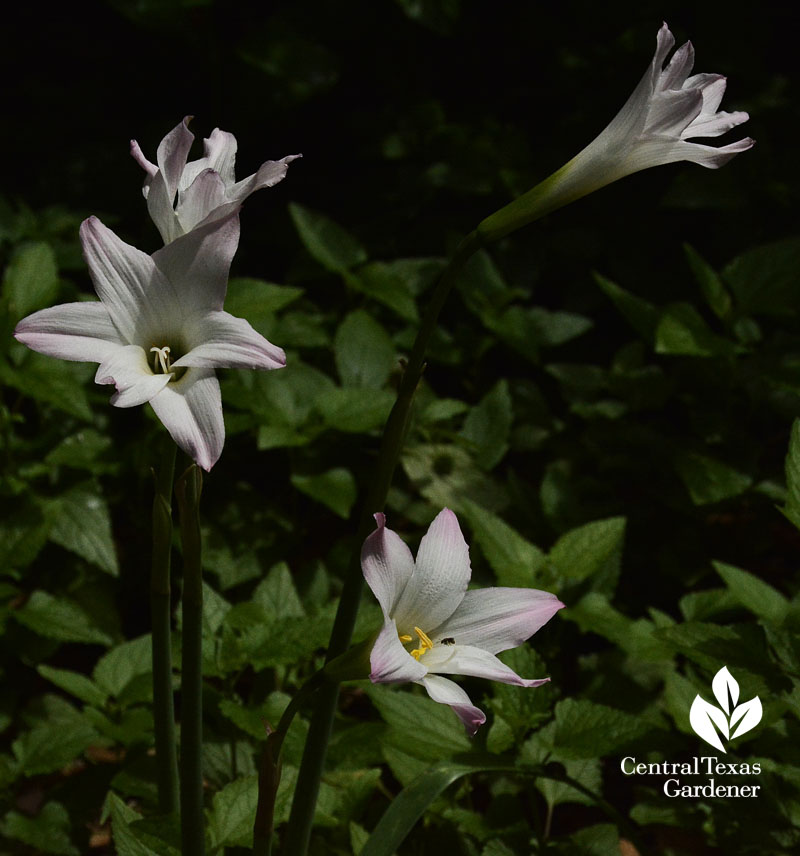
{"points": [[160, 207], [496, 619], [387, 564], [269, 174], [204, 195], [226, 341], [474, 662], [389, 660], [672, 111], [448, 692], [138, 155], [82, 332], [219, 154], [191, 410], [198, 264], [440, 578], [137, 296], [654, 152], [171, 156], [677, 70], [126, 367]]}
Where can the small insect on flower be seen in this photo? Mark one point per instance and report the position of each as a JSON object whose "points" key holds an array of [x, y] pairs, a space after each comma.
{"points": [[449, 641]]}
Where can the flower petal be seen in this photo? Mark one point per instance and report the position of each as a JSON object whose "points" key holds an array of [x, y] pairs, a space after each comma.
{"points": [[389, 660], [387, 564], [203, 196], [677, 70], [475, 662], [198, 264], [191, 410], [171, 156], [137, 296], [673, 111], [82, 332], [219, 154], [226, 341], [655, 152], [128, 370], [447, 692], [440, 577], [496, 619], [269, 174]]}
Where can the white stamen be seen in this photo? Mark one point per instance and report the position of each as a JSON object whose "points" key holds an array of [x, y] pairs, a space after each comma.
{"points": [[162, 357]]}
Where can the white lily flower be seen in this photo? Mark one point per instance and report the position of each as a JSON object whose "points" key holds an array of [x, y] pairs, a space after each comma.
{"points": [[666, 110], [159, 329], [456, 631], [181, 196]]}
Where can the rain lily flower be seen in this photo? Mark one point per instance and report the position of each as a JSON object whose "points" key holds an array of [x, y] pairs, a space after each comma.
{"points": [[159, 329], [433, 626], [206, 188], [666, 110]]}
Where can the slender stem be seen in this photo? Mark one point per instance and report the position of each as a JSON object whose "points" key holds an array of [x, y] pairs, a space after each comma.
{"points": [[188, 491], [308, 778], [161, 618]]}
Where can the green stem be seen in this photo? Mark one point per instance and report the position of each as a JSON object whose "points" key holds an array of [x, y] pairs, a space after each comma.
{"points": [[161, 619], [308, 778], [188, 491]]}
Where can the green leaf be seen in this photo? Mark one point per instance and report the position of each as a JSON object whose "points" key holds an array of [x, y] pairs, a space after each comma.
{"points": [[74, 683], [792, 466], [384, 282], [31, 279], [682, 331], [592, 551], [488, 426], [585, 729], [55, 741], [254, 299], [335, 488], [23, 533], [710, 283], [754, 594], [81, 523], [59, 383], [122, 664], [764, 279], [277, 594], [127, 839], [230, 822], [48, 832], [364, 353], [527, 329], [709, 480], [515, 561], [640, 314], [333, 247], [81, 451], [60, 619], [354, 410], [712, 646]]}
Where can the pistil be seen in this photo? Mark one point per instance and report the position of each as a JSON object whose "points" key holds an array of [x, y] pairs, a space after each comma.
{"points": [[161, 358]]}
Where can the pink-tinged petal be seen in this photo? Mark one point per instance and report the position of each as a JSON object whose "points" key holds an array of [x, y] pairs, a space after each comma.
{"points": [[219, 154], [171, 156], [137, 296], [224, 341], [440, 578], [656, 152], [269, 174], [447, 692], [82, 332], [387, 564], [474, 662], [138, 155], [191, 410], [160, 207], [204, 195], [497, 619], [675, 74], [390, 662], [128, 370], [672, 111], [198, 264]]}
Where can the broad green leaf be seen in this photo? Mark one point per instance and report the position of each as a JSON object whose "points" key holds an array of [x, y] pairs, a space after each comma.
{"points": [[523, 708], [384, 282], [709, 480], [52, 745], [488, 425], [122, 664], [592, 551], [754, 594], [31, 279], [331, 245], [343, 794], [708, 604], [60, 619], [81, 451], [710, 283], [335, 488], [23, 533], [792, 466], [230, 822], [123, 829], [442, 409], [515, 561], [74, 683], [764, 279], [640, 314], [255, 298], [47, 832], [585, 729], [81, 523], [355, 410], [528, 329], [56, 382], [682, 331], [277, 594], [364, 353]]}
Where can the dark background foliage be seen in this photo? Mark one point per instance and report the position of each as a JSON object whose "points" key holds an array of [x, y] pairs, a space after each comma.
{"points": [[416, 119]]}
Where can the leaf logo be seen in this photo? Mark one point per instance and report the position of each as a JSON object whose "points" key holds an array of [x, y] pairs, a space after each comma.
{"points": [[730, 720]]}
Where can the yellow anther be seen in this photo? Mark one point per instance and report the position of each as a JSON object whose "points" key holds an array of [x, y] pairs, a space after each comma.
{"points": [[161, 356], [424, 641], [405, 638]]}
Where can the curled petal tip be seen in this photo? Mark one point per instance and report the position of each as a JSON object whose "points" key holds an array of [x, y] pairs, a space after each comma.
{"points": [[380, 519]]}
